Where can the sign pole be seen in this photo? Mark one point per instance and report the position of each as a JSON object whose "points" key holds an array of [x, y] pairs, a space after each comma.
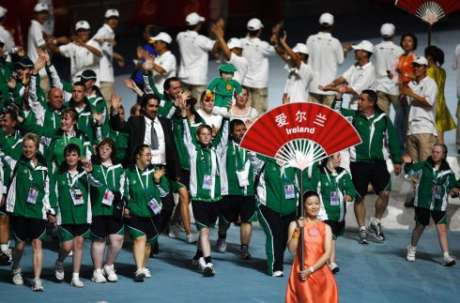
{"points": [[301, 242]]}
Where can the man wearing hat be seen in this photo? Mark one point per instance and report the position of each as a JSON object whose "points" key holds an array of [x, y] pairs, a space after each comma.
{"points": [[224, 87], [421, 95], [256, 52], [36, 39], [325, 54], [83, 53], [194, 51], [358, 77], [164, 65], [386, 56], [232, 52], [300, 73], [5, 36], [105, 36]]}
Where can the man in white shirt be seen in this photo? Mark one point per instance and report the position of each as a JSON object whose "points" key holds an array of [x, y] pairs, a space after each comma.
{"points": [[457, 68], [105, 36], [83, 53], [232, 52], [36, 39], [421, 93], [256, 52], [300, 74], [386, 56], [358, 77], [5, 35], [194, 51], [164, 65], [326, 53]]}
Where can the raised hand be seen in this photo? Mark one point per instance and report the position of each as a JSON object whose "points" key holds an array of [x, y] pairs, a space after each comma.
{"points": [[115, 101], [158, 173]]}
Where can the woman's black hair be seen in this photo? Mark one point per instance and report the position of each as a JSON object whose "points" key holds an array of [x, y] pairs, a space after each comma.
{"points": [[435, 53], [414, 39], [309, 194], [72, 147]]}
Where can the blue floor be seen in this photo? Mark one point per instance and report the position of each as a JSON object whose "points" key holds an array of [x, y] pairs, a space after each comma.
{"points": [[375, 273]]}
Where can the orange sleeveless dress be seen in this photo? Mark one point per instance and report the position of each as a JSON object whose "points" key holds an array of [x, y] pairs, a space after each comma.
{"points": [[320, 287]]}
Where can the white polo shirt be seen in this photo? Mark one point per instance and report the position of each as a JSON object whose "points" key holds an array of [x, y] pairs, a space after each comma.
{"points": [[457, 67], [298, 82], [7, 38], [158, 155], [256, 52], [168, 62], [194, 54], [35, 39], [105, 63], [80, 58], [385, 58], [241, 64], [326, 53], [359, 77], [422, 119]]}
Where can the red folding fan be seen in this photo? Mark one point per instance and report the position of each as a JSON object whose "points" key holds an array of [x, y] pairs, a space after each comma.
{"points": [[299, 134], [430, 11]]}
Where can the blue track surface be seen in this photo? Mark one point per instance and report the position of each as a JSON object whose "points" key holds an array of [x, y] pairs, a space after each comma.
{"points": [[376, 273]]}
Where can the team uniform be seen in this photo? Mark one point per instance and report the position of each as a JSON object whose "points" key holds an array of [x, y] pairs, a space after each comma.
{"points": [[107, 204], [298, 82], [277, 196], [144, 203]]}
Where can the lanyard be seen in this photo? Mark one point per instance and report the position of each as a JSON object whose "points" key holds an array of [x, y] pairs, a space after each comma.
{"points": [[144, 187], [240, 155], [71, 181]]}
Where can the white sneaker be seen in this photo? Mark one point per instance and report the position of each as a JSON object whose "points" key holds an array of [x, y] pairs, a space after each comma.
{"points": [[411, 250], [201, 264], [147, 272], [449, 261], [174, 231], [139, 275], [278, 274], [191, 238], [208, 270], [98, 276], [37, 285], [110, 273], [59, 271], [17, 277], [76, 282]]}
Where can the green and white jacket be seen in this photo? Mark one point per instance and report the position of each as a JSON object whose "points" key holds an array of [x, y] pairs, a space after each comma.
{"points": [[204, 164], [111, 180], [433, 185], [71, 197], [28, 192], [141, 191], [277, 188], [375, 131]]}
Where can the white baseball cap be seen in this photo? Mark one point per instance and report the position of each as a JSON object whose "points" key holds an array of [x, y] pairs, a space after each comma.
{"points": [[41, 7], [300, 48], [364, 45], [420, 61], [82, 24], [165, 37], [3, 11], [234, 43], [194, 19], [111, 13], [254, 24], [326, 18], [387, 30]]}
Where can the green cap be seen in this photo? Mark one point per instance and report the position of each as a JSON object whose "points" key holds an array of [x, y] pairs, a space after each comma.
{"points": [[227, 68]]}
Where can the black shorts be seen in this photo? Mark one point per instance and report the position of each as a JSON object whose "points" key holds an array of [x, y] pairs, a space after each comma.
{"points": [[375, 173], [337, 228], [205, 213], [422, 216], [103, 226], [25, 229], [69, 231], [233, 206], [143, 226]]}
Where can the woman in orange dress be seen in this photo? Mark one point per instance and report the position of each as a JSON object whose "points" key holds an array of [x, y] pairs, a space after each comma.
{"points": [[316, 282]]}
